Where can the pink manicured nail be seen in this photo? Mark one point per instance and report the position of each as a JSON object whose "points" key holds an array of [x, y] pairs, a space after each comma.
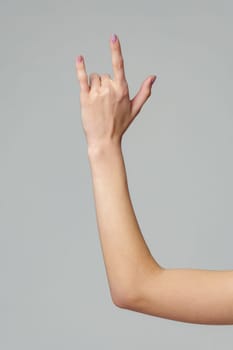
{"points": [[114, 38], [79, 59], [153, 80]]}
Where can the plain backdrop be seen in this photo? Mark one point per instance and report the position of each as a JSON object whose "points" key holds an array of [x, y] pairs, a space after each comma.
{"points": [[178, 154]]}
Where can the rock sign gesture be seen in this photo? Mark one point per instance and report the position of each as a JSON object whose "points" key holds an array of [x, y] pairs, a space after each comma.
{"points": [[136, 280], [106, 108]]}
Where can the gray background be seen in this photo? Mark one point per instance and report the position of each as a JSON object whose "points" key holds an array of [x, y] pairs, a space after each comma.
{"points": [[178, 153]]}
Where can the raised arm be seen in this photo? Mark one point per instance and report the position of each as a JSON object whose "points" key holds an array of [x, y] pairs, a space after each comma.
{"points": [[136, 281]]}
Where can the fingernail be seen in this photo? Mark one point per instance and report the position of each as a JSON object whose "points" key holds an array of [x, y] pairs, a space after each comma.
{"points": [[114, 38], [153, 80], [79, 59]]}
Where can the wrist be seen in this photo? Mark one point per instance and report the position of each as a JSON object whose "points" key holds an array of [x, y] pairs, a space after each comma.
{"points": [[103, 149]]}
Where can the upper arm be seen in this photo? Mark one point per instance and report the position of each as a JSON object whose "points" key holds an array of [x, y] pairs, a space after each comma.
{"points": [[187, 295]]}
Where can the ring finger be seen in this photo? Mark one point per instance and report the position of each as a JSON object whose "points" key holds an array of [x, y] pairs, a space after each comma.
{"points": [[105, 78], [94, 81]]}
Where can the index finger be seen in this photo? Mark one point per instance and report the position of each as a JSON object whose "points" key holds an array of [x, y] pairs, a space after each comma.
{"points": [[82, 74], [117, 60]]}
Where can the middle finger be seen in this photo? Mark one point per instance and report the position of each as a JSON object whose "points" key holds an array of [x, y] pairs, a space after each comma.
{"points": [[94, 81]]}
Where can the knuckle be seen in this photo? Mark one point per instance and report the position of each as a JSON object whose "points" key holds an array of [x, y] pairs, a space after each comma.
{"points": [[105, 90], [125, 89], [94, 96], [93, 75], [119, 64], [122, 91], [81, 76], [121, 96], [148, 92], [105, 76]]}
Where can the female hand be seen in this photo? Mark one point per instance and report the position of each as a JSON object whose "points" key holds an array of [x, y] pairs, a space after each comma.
{"points": [[106, 108]]}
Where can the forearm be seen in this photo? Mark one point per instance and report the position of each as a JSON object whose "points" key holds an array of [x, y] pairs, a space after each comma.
{"points": [[135, 279], [189, 295], [126, 256]]}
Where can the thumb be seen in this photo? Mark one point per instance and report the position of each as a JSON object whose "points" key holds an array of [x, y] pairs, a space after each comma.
{"points": [[142, 95]]}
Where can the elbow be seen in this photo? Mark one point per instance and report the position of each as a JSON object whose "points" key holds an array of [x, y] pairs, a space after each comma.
{"points": [[133, 296], [125, 299], [124, 303], [121, 302]]}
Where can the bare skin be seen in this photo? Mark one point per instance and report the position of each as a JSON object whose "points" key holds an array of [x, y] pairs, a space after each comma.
{"points": [[136, 280]]}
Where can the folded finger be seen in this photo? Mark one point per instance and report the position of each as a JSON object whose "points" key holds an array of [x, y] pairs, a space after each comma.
{"points": [[105, 78], [94, 81]]}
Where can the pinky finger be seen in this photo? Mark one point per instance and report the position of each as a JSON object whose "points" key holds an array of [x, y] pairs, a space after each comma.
{"points": [[81, 74]]}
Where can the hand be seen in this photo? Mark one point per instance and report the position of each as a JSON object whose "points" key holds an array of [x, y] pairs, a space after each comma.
{"points": [[106, 108]]}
